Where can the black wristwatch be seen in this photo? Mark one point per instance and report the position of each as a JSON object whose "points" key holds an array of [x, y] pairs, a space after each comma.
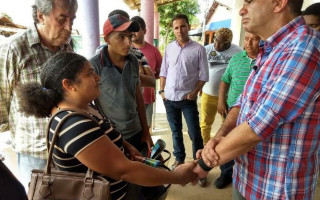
{"points": [[160, 91], [204, 166]]}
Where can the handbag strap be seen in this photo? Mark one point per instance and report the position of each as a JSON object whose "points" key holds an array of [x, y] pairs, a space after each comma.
{"points": [[96, 104], [56, 134], [169, 155]]}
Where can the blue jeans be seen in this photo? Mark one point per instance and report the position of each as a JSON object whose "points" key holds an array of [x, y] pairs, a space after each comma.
{"points": [[26, 164], [227, 168], [190, 112]]}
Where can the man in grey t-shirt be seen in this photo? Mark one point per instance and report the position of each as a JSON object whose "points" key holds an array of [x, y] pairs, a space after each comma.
{"points": [[121, 99]]}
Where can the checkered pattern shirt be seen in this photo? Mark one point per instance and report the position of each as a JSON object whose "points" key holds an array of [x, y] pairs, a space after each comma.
{"points": [[281, 104], [21, 60]]}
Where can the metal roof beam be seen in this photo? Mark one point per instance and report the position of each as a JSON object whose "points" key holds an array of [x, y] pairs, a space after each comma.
{"points": [[135, 4]]}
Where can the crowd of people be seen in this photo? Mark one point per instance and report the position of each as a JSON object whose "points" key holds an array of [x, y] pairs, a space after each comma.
{"points": [[267, 94]]}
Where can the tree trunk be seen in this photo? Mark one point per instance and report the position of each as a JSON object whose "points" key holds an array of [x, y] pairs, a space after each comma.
{"points": [[167, 33]]}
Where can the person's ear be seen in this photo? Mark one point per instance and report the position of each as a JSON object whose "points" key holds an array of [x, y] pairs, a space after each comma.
{"points": [[68, 85], [106, 39], [279, 5], [144, 32], [40, 17]]}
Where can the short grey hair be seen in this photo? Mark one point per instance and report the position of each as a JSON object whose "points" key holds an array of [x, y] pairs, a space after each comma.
{"points": [[46, 6]]}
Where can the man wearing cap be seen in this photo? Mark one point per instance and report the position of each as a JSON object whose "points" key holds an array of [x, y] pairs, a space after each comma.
{"points": [[146, 75], [121, 99]]}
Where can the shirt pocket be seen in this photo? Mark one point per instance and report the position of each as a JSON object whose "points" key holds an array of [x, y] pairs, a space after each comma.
{"points": [[30, 73]]}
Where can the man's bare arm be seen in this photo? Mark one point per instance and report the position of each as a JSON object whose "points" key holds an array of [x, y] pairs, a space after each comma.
{"points": [[147, 78], [238, 142], [222, 101], [229, 123], [162, 85], [194, 93]]}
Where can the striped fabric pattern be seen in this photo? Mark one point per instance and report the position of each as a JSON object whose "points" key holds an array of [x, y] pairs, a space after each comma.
{"points": [[236, 75], [77, 133], [281, 104], [140, 56]]}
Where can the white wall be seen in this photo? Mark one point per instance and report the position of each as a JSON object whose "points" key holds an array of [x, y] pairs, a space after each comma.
{"points": [[236, 26], [307, 3], [220, 14]]}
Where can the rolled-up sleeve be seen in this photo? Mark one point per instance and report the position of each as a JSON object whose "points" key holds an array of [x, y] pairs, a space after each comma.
{"points": [[203, 65], [7, 78], [164, 65], [293, 90], [238, 102], [226, 76]]}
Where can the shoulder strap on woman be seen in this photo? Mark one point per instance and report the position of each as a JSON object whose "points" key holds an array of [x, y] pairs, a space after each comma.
{"points": [[56, 132]]}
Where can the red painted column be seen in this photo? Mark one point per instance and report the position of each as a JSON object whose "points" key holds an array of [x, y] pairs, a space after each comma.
{"points": [[156, 25], [147, 13]]}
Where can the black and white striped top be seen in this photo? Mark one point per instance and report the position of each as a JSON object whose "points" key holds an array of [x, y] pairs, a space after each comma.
{"points": [[77, 133]]}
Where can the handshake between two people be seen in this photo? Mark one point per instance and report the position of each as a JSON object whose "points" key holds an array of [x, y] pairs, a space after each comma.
{"points": [[206, 159]]}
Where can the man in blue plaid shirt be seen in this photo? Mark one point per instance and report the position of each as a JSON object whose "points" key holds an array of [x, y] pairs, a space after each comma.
{"points": [[273, 130]]}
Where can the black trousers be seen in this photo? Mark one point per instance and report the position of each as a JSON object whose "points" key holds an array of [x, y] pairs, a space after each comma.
{"points": [[10, 187]]}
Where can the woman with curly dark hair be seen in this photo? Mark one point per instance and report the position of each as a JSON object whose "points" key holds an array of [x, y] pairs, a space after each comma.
{"points": [[69, 82]]}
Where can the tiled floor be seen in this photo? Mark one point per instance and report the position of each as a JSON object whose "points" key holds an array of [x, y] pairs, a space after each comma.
{"points": [[189, 192], [176, 192]]}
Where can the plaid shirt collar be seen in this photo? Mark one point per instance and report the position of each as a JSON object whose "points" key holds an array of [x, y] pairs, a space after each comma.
{"points": [[34, 38], [276, 38]]}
